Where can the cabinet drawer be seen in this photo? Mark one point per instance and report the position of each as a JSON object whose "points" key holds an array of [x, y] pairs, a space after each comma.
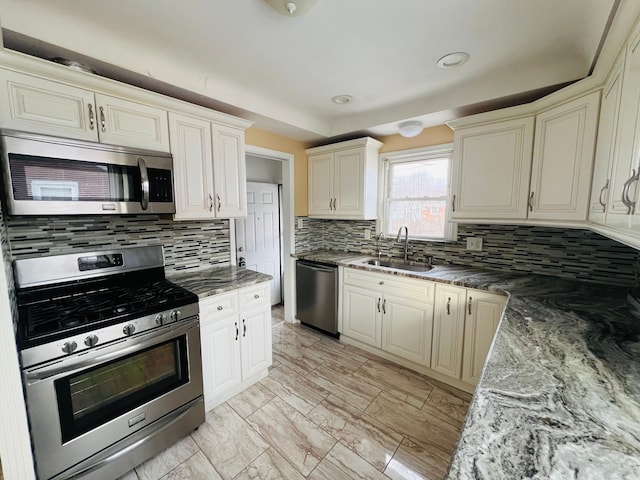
{"points": [[219, 306], [254, 296], [422, 290]]}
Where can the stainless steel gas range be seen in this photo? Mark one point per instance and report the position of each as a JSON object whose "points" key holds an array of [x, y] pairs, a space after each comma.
{"points": [[111, 361]]}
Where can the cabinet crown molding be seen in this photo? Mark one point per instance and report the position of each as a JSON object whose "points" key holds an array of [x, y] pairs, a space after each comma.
{"points": [[358, 142]]}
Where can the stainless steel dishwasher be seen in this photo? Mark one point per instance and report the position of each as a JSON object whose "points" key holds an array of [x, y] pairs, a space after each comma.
{"points": [[317, 295]]}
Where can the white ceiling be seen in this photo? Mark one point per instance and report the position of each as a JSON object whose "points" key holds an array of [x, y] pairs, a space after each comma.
{"points": [[282, 71]]}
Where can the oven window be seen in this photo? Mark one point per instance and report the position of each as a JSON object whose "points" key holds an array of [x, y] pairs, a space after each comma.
{"points": [[61, 180], [97, 395]]}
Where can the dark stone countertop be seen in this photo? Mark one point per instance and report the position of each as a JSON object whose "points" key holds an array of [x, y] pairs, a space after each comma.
{"points": [[560, 394], [215, 280]]}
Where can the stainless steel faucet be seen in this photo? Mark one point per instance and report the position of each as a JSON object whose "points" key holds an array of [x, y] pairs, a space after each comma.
{"points": [[379, 238], [406, 240]]}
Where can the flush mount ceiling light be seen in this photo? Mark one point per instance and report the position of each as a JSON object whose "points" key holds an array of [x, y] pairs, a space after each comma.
{"points": [[411, 128], [453, 60], [342, 99], [292, 8]]}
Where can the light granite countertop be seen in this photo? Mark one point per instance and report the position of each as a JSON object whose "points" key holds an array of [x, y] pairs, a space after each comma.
{"points": [[560, 394], [215, 280]]}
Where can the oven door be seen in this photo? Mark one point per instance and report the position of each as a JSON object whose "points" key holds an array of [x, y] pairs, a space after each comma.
{"points": [[85, 403]]}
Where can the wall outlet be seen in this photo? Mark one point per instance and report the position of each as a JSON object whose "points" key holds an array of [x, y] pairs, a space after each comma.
{"points": [[300, 223], [474, 243], [367, 234]]}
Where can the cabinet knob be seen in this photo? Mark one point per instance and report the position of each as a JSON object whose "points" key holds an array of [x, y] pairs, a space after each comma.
{"points": [[381, 282], [256, 296], [219, 307]]}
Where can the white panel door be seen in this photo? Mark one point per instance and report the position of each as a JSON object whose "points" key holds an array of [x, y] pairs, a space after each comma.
{"points": [[448, 330], [229, 171], [192, 161], [606, 145], [407, 327], [255, 340], [348, 183], [563, 160], [483, 312], [40, 106], [258, 235], [362, 315], [320, 178], [131, 124], [491, 168]]}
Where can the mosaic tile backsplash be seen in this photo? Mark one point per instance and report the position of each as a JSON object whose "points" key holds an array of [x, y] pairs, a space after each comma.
{"points": [[188, 245], [578, 254]]}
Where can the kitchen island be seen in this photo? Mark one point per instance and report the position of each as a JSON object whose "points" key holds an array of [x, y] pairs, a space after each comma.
{"points": [[560, 393]]}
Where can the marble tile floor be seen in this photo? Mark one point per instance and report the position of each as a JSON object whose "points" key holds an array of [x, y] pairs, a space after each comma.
{"points": [[327, 410], [277, 314]]}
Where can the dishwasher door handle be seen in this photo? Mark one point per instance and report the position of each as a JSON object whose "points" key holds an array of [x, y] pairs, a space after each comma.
{"points": [[317, 268]]}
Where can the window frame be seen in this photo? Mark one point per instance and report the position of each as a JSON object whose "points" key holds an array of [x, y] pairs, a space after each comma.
{"points": [[414, 155]]}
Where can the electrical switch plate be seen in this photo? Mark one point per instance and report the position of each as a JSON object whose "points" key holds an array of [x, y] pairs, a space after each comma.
{"points": [[474, 243], [367, 234], [300, 223]]}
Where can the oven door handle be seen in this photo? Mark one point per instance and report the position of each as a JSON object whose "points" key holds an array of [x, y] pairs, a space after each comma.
{"points": [[144, 183], [70, 365]]}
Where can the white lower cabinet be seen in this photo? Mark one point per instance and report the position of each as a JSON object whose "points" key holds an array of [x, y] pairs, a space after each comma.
{"points": [[235, 340], [448, 330]]}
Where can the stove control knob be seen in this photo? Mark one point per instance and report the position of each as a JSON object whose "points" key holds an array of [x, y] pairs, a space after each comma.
{"points": [[69, 347], [175, 315], [129, 329], [160, 319], [91, 341]]}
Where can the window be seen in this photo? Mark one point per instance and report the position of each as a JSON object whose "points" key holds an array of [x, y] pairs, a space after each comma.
{"points": [[416, 193]]}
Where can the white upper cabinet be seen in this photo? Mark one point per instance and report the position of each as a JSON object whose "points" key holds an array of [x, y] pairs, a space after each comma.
{"points": [[491, 165], [563, 160], [229, 171], [601, 187], [37, 105], [343, 180]]}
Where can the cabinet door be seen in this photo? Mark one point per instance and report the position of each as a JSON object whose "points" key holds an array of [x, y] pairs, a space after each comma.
{"points": [[255, 341], [484, 311], [192, 161], [229, 172], [491, 165], [407, 326], [221, 362], [448, 330], [563, 160], [348, 183], [320, 185], [626, 153], [362, 315], [131, 124], [605, 148], [40, 106]]}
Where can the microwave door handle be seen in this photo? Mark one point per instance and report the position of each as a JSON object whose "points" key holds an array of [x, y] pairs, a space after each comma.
{"points": [[144, 177]]}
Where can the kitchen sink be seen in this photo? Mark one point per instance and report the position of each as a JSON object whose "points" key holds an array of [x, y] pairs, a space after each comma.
{"points": [[400, 265]]}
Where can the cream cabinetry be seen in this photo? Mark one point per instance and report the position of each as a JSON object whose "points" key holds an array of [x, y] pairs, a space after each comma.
{"points": [[236, 341], [38, 105], [602, 193], [389, 312], [448, 330], [490, 172], [343, 180], [563, 160], [209, 169]]}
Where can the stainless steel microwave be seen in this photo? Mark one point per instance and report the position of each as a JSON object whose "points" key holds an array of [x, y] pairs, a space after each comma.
{"points": [[56, 176]]}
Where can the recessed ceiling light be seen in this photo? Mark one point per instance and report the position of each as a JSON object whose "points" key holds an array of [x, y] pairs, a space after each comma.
{"points": [[342, 99], [452, 60]]}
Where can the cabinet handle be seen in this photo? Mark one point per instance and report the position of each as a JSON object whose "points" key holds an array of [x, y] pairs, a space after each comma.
{"points": [[256, 296], [631, 205], [237, 331], [530, 202], [604, 205], [334, 205], [102, 120], [220, 307], [449, 306], [330, 204], [92, 118], [453, 203], [244, 328], [469, 303], [210, 203], [219, 201], [384, 306], [378, 305]]}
